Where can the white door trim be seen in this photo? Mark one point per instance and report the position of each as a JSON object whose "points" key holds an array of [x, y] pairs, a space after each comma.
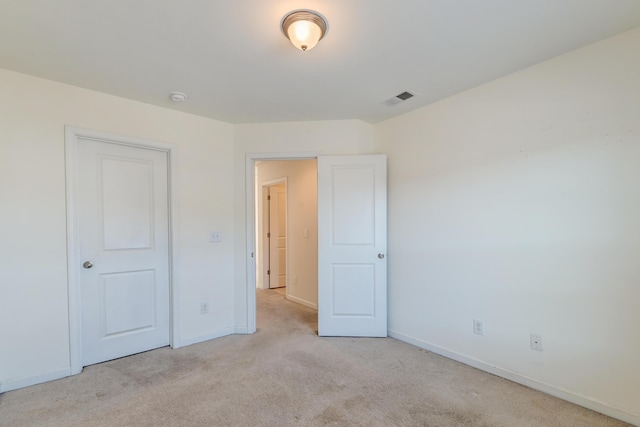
{"points": [[250, 215], [72, 134]]}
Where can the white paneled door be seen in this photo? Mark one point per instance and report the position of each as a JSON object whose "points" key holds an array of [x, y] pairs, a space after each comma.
{"points": [[123, 225], [352, 245], [277, 236]]}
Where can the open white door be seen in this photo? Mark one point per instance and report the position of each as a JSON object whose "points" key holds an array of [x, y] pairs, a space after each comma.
{"points": [[277, 236], [352, 245]]}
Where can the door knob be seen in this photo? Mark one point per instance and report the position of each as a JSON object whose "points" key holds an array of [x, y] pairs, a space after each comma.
{"points": [[381, 255], [87, 264]]}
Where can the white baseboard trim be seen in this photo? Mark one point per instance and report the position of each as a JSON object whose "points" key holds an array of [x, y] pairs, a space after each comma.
{"points": [[17, 383], [203, 338], [302, 301], [586, 402], [242, 331]]}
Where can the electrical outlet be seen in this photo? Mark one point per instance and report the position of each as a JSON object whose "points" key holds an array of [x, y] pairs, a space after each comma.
{"points": [[204, 308], [215, 236], [478, 327], [536, 342]]}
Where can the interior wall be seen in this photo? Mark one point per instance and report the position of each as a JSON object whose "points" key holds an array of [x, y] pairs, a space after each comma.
{"points": [[517, 203], [33, 262], [302, 214], [305, 139]]}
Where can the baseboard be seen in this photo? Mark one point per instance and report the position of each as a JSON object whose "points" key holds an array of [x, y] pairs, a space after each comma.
{"points": [[203, 338], [17, 383], [242, 331], [302, 301], [586, 402]]}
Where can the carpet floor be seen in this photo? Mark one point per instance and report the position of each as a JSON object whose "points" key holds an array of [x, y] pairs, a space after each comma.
{"points": [[286, 375]]}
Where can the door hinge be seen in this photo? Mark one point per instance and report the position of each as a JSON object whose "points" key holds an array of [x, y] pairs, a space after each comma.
{"points": [[268, 272], [269, 197], [268, 234]]}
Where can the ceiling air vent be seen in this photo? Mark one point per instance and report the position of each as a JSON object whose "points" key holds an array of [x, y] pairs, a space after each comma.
{"points": [[398, 99]]}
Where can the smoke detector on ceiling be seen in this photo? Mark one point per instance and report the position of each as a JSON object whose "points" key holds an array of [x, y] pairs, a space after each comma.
{"points": [[177, 96], [395, 100]]}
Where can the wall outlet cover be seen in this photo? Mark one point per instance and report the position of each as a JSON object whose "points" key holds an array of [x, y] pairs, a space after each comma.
{"points": [[536, 342], [478, 327]]}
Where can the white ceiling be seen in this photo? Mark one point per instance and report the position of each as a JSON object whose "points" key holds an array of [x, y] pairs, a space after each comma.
{"points": [[231, 59]]}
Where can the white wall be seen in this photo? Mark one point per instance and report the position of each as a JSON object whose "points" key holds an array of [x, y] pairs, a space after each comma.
{"points": [[302, 214], [210, 196], [290, 138], [518, 203], [33, 278]]}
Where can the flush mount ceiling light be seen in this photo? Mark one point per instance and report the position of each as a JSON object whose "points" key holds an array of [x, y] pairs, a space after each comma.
{"points": [[304, 28]]}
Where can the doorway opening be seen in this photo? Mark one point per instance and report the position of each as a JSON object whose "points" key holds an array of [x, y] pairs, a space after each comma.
{"points": [[351, 236], [286, 228]]}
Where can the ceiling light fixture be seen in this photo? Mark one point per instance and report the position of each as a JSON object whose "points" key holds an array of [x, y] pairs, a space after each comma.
{"points": [[304, 28]]}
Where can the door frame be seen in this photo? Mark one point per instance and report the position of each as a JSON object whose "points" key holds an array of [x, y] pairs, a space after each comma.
{"points": [[250, 215], [72, 135], [260, 244]]}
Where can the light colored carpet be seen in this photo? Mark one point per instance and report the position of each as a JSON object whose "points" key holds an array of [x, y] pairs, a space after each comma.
{"points": [[286, 375]]}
